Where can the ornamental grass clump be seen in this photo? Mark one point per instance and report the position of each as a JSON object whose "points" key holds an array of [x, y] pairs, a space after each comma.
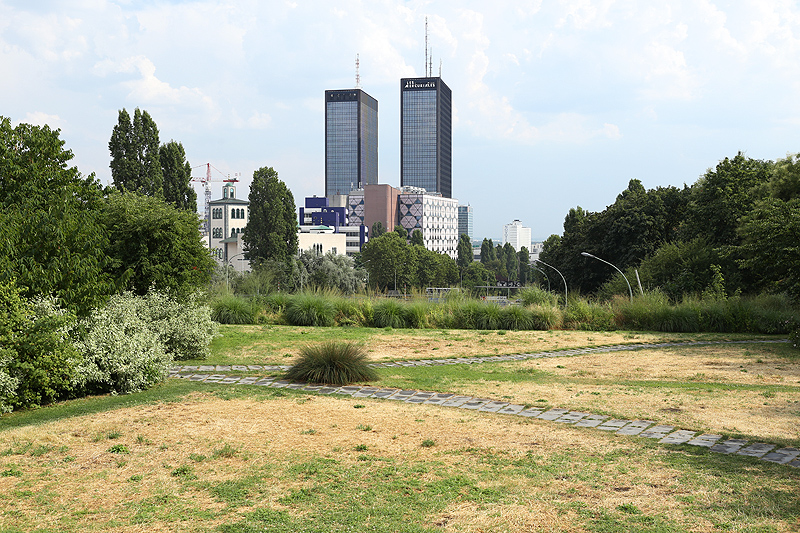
{"points": [[332, 363], [389, 314], [310, 309], [230, 309]]}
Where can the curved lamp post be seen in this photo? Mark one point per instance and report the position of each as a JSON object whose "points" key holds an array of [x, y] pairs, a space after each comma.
{"points": [[560, 274], [545, 276], [587, 254]]}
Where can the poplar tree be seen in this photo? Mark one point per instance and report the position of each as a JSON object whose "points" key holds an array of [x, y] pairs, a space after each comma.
{"points": [[177, 175], [135, 162], [271, 231]]}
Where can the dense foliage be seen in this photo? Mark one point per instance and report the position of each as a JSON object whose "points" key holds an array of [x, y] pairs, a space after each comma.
{"points": [[394, 264], [271, 231]]}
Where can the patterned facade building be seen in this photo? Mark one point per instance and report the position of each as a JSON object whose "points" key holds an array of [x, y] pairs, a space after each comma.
{"points": [[434, 215]]}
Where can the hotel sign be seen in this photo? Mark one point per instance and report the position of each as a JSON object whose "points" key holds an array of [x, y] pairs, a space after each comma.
{"points": [[419, 84]]}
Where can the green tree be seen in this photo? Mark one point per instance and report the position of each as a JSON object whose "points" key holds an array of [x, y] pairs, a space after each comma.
{"points": [[770, 246], [389, 261], [464, 251], [377, 229], [487, 251], [511, 261], [177, 176], [271, 231], [401, 231], [417, 239], [135, 162], [524, 258], [51, 233], [154, 245], [331, 271], [785, 181]]}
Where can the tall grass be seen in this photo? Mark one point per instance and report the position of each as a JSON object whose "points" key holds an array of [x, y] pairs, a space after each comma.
{"points": [[489, 316], [517, 317], [231, 309], [332, 363], [310, 309], [536, 296], [388, 313]]}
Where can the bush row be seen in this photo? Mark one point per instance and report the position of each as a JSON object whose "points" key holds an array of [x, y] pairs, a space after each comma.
{"points": [[47, 354], [536, 310]]}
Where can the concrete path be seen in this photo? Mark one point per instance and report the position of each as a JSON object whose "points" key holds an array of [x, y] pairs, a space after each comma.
{"points": [[642, 428]]}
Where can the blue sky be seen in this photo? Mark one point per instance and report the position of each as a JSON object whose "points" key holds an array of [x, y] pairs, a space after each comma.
{"points": [[556, 103]]}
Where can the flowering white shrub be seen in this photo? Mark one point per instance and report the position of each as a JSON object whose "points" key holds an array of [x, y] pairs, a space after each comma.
{"points": [[184, 328], [121, 351], [8, 385]]}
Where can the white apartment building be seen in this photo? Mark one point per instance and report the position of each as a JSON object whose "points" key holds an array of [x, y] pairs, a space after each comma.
{"points": [[434, 215], [517, 235]]}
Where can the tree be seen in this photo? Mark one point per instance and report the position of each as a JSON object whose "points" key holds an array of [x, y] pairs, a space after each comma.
{"points": [[417, 239], [401, 231], [51, 234], [135, 162], [331, 271], [154, 245], [177, 176], [271, 231], [464, 251], [388, 261], [524, 258], [487, 251], [770, 247], [377, 229]]}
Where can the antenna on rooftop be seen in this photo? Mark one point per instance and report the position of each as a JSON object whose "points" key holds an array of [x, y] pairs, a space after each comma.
{"points": [[430, 64], [440, 67], [424, 70], [358, 76]]}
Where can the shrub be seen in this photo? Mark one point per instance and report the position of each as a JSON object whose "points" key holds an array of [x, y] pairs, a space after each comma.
{"points": [[184, 328], [388, 314], [230, 309], [586, 315], [334, 363], [416, 314], [121, 352], [310, 309], [794, 336], [465, 314], [489, 317]]}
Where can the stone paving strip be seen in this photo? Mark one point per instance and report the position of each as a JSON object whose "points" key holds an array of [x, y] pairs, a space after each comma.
{"points": [[642, 428]]}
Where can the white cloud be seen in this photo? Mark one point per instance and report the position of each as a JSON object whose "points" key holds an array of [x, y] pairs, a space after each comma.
{"points": [[40, 118]]}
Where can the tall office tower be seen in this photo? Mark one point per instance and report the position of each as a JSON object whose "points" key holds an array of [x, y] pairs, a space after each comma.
{"points": [[465, 221], [426, 132], [351, 141]]}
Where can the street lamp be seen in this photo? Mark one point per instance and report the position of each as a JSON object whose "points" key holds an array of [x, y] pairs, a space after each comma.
{"points": [[226, 269], [587, 254], [545, 276], [560, 274]]}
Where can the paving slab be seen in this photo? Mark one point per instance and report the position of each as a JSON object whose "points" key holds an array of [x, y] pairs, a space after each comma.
{"points": [[206, 368], [782, 456], [758, 449], [189, 369], [239, 368], [313, 388], [280, 384], [327, 390], [531, 413], [552, 414], [678, 437], [420, 397], [255, 367], [402, 395], [615, 424], [263, 382], [439, 399], [222, 368], [493, 407], [591, 421], [706, 440], [384, 393], [230, 380], [511, 409], [635, 427], [656, 432], [215, 378], [296, 386], [348, 391], [248, 381], [572, 417], [474, 403], [794, 464], [456, 401], [366, 392], [198, 377], [729, 446]]}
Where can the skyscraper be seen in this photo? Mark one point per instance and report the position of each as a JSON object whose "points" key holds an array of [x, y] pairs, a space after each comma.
{"points": [[351, 141], [426, 132]]}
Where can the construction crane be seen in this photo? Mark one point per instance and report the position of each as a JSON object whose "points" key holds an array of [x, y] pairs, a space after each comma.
{"points": [[206, 181]]}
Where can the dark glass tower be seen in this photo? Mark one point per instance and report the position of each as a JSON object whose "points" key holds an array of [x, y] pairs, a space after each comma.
{"points": [[351, 141], [426, 132]]}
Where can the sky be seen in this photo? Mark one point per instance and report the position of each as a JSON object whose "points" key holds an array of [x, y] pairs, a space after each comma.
{"points": [[556, 104]]}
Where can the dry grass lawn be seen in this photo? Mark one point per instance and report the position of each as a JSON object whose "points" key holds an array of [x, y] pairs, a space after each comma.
{"points": [[78, 485]]}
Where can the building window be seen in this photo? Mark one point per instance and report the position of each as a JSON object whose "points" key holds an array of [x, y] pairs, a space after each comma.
{"points": [[216, 212], [216, 233], [333, 250]]}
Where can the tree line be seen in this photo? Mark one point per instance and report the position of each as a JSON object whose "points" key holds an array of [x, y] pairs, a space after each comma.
{"points": [[735, 230]]}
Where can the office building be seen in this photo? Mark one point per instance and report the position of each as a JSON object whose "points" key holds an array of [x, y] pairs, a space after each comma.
{"points": [[518, 235], [434, 215], [426, 135], [351, 141], [465, 221]]}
